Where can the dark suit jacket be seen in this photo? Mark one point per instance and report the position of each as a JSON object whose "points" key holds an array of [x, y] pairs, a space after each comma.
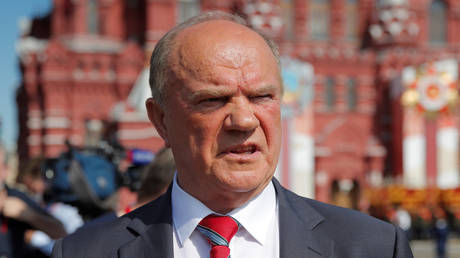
{"points": [[307, 229]]}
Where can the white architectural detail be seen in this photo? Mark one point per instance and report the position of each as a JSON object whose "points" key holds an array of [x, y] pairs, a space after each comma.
{"points": [[34, 140], [136, 134], [78, 74], [136, 100], [34, 123], [56, 122], [29, 45], [321, 178], [140, 92], [401, 14], [264, 15], [376, 31], [395, 28], [345, 185], [276, 22], [302, 176], [448, 172], [120, 114], [54, 139], [257, 21], [264, 7], [376, 151], [414, 160], [375, 178], [386, 16], [92, 44], [94, 125], [386, 3], [393, 21]]}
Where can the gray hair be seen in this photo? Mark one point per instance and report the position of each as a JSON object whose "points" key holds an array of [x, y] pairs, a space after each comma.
{"points": [[159, 61]]}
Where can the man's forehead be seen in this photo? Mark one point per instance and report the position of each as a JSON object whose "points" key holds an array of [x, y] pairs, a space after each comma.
{"points": [[218, 42], [216, 36]]}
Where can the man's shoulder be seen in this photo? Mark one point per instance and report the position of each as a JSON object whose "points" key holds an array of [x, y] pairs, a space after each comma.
{"points": [[328, 212], [339, 215], [341, 231], [97, 240], [341, 221], [104, 239], [351, 229]]}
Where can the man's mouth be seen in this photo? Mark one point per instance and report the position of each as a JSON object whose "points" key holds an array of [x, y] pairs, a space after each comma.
{"points": [[243, 149]]}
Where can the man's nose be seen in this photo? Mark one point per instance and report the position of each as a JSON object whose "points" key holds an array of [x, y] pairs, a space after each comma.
{"points": [[241, 117]]}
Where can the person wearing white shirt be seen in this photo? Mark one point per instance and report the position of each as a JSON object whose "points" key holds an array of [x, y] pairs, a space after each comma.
{"points": [[216, 100]]}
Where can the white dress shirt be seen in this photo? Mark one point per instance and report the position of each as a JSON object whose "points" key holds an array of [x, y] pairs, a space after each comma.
{"points": [[258, 235]]}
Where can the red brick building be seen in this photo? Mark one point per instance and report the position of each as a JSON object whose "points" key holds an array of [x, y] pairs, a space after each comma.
{"points": [[80, 63]]}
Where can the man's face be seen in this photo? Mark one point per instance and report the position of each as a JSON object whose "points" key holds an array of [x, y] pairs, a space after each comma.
{"points": [[221, 115]]}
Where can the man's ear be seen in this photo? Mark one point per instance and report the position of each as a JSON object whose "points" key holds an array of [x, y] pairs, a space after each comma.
{"points": [[156, 115]]}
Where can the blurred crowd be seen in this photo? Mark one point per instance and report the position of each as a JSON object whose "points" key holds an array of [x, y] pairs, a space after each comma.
{"points": [[432, 222], [82, 187]]}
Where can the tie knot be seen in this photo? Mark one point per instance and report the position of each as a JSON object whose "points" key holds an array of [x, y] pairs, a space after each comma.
{"points": [[219, 230]]}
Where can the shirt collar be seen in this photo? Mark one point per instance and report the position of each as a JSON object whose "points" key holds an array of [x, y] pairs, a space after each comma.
{"points": [[187, 212], [257, 213], [254, 216]]}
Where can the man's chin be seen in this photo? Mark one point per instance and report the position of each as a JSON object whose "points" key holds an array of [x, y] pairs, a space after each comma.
{"points": [[242, 184]]}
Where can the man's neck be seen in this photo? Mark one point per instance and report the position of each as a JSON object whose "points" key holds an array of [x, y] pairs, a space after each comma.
{"points": [[224, 202]]}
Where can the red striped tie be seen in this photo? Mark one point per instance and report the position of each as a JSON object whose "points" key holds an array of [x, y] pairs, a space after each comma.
{"points": [[218, 230]]}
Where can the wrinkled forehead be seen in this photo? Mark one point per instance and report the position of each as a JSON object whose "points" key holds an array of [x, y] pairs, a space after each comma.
{"points": [[218, 42]]}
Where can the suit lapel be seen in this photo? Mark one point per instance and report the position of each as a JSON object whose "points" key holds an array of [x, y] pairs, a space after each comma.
{"points": [[155, 242], [300, 234], [152, 229]]}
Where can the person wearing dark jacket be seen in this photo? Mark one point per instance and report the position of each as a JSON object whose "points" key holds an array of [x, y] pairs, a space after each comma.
{"points": [[216, 87]]}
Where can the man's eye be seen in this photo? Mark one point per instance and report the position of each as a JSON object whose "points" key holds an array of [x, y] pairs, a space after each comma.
{"points": [[210, 101], [261, 97], [213, 99]]}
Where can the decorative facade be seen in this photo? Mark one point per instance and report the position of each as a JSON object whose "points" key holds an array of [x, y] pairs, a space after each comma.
{"points": [[82, 72]]}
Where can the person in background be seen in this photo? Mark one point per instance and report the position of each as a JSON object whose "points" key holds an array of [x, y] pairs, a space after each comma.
{"points": [[156, 177], [403, 219], [20, 213], [217, 90], [31, 181], [440, 231]]}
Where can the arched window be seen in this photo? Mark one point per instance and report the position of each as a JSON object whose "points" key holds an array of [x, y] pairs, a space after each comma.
{"points": [[319, 19], [330, 93], [92, 18], [351, 94], [351, 19], [187, 9], [438, 22]]}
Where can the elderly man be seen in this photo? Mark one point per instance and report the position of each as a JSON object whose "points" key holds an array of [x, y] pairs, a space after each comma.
{"points": [[216, 102]]}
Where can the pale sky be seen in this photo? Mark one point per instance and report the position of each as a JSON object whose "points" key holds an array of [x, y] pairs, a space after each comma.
{"points": [[10, 13]]}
